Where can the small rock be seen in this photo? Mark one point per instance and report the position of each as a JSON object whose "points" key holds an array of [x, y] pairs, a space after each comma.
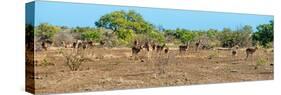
{"points": [[186, 79], [38, 77], [233, 71], [154, 76], [87, 89], [256, 67]]}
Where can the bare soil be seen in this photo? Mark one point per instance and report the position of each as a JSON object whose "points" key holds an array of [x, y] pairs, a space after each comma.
{"points": [[115, 68]]}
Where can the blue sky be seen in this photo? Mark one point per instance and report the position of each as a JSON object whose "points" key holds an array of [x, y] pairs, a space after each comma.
{"points": [[75, 14]]}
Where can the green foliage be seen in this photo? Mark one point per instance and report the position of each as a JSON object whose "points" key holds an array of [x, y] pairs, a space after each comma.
{"points": [[125, 34], [264, 34], [123, 27], [126, 24], [83, 29], [29, 37], [269, 45], [157, 36], [185, 35], [244, 36], [29, 30], [46, 31], [124, 20], [94, 35], [212, 33], [241, 36]]}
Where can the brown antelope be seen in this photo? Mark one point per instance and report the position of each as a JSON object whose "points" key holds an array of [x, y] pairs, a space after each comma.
{"points": [[166, 50], [74, 45], [66, 45], [198, 45], [90, 44], [136, 49], [80, 44], [45, 44], [183, 48], [146, 46], [235, 50], [159, 48], [153, 46], [102, 43], [148, 49], [250, 51], [85, 44]]}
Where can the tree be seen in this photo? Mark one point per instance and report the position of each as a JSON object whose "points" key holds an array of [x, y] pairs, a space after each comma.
{"points": [[227, 37], [170, 35], [185, 35], [91, 35], [29, 31], [125, 35], [157, 36], [29, 37], [83, 29], [212, 33], [125, 24], [264, 34], [244, 36], [46, 31]]}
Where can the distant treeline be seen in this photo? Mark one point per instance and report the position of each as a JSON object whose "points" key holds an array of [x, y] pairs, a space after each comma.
{"points": [[121, 28]]}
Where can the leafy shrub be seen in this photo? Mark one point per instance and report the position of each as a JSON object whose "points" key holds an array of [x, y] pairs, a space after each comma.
{"points": [[91, 35]]}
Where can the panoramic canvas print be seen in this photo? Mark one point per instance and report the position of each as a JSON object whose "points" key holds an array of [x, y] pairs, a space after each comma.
{"points": [[75, 47]]}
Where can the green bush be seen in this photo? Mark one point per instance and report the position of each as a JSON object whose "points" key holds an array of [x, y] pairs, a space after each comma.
{"points": [[91, 35]]}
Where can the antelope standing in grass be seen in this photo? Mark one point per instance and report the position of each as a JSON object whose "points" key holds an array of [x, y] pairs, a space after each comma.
{"points": [[136, 49], [198, 45], [160, 48], [80, 44], [183, 48], [148, 48], [66, 45], [250, 51], [153, 46], [102, 43], [166, 50], [235, 50], [45, 44], [90, 44]]}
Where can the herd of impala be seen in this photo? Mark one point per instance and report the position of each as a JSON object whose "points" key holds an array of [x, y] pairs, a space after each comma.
{"points": [[146, 46]]}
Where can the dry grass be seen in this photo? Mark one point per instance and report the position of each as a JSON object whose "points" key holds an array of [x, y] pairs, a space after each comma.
{"points": [[108, 69]]}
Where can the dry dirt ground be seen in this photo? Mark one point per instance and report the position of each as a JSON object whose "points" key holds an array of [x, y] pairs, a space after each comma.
{"points": [[109, 69]]}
